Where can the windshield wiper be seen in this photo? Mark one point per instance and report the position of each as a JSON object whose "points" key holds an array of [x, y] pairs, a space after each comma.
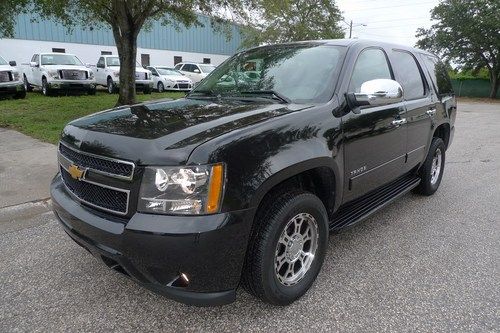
{"points": [[274, 94], [204, 93]]}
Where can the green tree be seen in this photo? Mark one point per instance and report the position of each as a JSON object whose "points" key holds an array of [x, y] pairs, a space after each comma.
{"points": [[279, 21], [9, 10], [127, 18], [466, 33]]}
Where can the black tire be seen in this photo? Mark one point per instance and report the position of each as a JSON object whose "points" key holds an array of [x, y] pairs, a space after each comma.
{"points": [[147, 90], [161, 87], [27, 86], [430, 182], [111, 86], [46, 91], [20, 95], [260, 277]]}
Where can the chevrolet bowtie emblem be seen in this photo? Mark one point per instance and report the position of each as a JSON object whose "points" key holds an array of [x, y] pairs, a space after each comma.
{"points": [[76, 172]]}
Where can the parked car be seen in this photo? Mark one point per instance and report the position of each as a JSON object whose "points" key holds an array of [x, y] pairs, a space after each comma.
{"points": [[244, 183], [196, 72], [165, 78], [54, 72], [108, 75], [11, 83]]}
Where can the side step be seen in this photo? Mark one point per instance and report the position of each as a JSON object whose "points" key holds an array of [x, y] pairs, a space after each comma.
{"points": [[355, 211]]}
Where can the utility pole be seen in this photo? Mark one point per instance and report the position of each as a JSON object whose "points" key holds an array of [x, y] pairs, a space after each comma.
{"points": [[351, 25]]}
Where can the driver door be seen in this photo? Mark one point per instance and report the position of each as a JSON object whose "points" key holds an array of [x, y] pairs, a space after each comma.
{"points": [[375, 138]]}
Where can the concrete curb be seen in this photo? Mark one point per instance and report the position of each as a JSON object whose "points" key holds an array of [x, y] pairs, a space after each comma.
{"points": [[17, 217]]}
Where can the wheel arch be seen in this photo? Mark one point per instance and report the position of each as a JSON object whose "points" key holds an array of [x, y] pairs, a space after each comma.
{"points": [[318, 176], [443, 132]]}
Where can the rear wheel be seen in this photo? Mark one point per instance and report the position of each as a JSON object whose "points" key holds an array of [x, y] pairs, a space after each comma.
{"points": [[287, 247], [161, 87], [432, 170]]}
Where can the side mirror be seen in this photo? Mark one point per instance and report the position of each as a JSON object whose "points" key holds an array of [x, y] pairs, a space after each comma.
{"points": [[33, 64], [377, 93], [13, 63], [197, 71], [100, 66]]}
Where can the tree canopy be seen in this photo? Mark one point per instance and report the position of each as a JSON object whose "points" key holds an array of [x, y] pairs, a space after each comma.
{"points": [[467, 33], [278, 21]]}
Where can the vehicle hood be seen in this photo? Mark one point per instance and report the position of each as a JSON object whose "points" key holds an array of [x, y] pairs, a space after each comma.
{"points": [[58, 67], [176, 78], [165, 132], [141, 70], [7, 68]]}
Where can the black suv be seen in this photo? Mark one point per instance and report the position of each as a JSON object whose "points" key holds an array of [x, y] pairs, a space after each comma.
{"points": [[242, 180]]}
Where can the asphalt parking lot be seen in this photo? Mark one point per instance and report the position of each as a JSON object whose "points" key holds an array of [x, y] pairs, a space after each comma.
{"points": [[421, 264]]}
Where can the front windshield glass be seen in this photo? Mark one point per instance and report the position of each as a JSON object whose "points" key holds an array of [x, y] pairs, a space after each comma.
{"points": [[112, 61], [2, 61], [207, 68], [303, 73], [60, 59], [167, 71]]}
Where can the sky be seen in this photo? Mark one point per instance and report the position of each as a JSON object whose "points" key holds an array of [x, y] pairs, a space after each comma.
{"points": [[392, 21]]}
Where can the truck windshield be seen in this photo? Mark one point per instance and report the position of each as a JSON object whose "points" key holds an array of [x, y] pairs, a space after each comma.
{"points": [[298, 73], [60, 59], [2, 61]]}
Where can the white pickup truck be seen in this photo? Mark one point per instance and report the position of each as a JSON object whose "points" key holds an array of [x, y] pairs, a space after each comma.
{"points": [[11, 83], [108, 75], [58, 72]]}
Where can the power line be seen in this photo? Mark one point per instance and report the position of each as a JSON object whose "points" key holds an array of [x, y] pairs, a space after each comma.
{"points": [[402, 19], [394, 6]]}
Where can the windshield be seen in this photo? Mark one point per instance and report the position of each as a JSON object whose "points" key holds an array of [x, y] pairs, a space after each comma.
{"points": [[60, 59], [2, 61], [113, 61], [167, 71], [207, 68], [302, 73]]}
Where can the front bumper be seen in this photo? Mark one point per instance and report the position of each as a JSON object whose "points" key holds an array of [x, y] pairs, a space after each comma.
{"points": [[11, 88], [72, 85], [155, 250]]}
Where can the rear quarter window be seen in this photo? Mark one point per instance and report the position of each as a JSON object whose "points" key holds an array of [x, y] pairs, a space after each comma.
{"points": [[438, 73]]}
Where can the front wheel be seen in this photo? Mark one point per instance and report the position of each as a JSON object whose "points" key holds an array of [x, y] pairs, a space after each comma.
{"points": [[287, 247], [27, 86], [161, 87], [432, 170], [46, 91], [111, 86]]}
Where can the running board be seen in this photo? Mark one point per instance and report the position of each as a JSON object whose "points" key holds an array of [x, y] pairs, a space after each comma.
{"points": [[357, 210]]}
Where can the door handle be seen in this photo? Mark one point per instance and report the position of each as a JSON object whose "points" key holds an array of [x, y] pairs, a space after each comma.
{"points": [[399, 122], [431, 112]]}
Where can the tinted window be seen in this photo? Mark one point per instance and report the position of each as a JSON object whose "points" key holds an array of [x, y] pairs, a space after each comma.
{"points": [[100, 63], [35, 58], [178, 66], [189, 68], [370, 65], [408, 75], [439, 74], [113, 61]]}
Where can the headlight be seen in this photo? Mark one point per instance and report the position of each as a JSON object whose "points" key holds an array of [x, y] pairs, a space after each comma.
{"points": [[16, 76], [182, 190], [91, 75], [116, 74], [54, 74]]}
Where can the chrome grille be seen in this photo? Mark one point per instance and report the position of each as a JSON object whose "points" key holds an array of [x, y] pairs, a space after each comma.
{"points": [[5, 76], [107, 166], [97, 195], [71, 74]]}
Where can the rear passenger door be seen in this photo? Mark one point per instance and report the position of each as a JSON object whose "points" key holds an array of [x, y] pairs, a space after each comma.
{"points": [[420, 108], [374, 139]]}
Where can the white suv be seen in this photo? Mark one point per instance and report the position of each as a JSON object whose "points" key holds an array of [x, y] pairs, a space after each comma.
{"points": [[196, 72]]}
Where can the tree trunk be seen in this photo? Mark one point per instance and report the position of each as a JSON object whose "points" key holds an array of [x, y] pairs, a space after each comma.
{"points": [[126, 44], [494, 84]]}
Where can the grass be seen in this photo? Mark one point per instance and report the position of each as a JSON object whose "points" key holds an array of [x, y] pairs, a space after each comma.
{"points": [[44, 117]]}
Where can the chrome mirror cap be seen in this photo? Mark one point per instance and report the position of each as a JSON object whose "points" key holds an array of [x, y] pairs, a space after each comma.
{"points": [[379, 92]]}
